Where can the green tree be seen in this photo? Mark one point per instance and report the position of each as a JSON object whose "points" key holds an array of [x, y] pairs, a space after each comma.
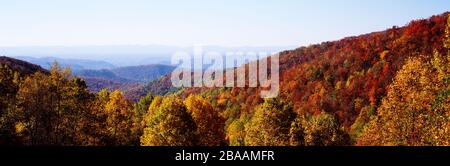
{"points": [[140, 109], [296, 133], [236, 132], [323, 130]]}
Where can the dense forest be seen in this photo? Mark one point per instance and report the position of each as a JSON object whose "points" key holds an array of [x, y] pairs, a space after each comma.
{"points": [[383, 88]]}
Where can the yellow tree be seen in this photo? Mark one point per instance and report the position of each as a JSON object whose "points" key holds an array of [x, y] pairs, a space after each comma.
{"points": [[33, 109], [41, 108], [210, 126], [169, 124], [416, 108], [236, 132], [119, 119], [50, 107], [154, 105], [270, 124]]}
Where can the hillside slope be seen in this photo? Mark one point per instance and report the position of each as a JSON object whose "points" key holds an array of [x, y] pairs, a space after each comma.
{"points": [[341, 77], [20, 66]]}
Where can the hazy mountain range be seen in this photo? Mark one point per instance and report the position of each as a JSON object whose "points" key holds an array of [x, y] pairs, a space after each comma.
{"points": [[121, 56], [129, 68], [74, 64], [130, 74]]}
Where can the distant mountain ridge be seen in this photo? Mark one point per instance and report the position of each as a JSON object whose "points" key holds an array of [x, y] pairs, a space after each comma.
{"points": [[105, 74], [128, 79], [74, 64], [126, 55], [136, 74], [143, 73]]}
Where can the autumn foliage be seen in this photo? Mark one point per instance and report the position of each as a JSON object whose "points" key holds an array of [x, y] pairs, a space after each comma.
{"points": [[383, 88]]}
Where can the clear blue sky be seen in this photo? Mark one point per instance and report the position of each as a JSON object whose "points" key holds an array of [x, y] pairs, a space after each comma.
{"points": [[210, 22]]}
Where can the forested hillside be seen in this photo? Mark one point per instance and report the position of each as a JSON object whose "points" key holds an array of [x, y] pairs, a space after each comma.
{"points": [[346, 79], [383, 88], [24, 68]]}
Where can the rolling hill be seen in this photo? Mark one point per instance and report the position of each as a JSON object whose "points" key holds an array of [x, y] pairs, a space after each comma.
{"points": [[383, 88], [22, 67], [340, 77]]}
